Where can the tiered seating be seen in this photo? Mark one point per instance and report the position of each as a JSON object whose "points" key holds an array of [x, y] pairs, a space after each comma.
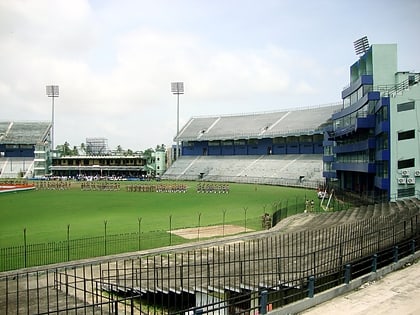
{"points": [[309, 221], [311, 118], [196, 127], [269, 124], [238, 168], [23, 132], [16, 167]]}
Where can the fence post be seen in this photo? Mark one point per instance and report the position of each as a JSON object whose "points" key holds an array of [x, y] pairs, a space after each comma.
{"points": [[245, 210], [105, 222], [170, 229], [395, 254], [311, 287], [264, 299], [24, 249], [139, 230], [374, 262], [413, 246], [347, 274], [68, 242]]}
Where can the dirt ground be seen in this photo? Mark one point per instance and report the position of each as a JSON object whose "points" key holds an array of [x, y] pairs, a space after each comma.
{"points": [[210, 231], [397, 293]]}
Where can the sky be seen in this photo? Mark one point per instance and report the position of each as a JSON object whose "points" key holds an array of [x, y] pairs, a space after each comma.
{"points": [[114, 60]]}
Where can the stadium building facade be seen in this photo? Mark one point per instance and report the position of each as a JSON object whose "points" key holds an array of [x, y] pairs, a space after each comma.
{"points": [[110, 166], [373, 146]]}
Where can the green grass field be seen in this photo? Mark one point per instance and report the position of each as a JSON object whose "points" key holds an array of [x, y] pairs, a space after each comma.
{"points": [[48, 215]]}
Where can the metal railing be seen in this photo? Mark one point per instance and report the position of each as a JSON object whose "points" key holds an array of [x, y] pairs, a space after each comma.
{"points": [[244, 274]]}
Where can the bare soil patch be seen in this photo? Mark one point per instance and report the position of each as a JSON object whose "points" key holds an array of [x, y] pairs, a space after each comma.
{"points": [[210, 231]]}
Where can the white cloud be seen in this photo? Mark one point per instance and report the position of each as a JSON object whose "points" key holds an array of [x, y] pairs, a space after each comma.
{"points": [[114, 61]]}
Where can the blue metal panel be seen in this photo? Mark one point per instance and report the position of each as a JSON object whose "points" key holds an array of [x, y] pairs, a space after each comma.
{"points": [[384, 101], [328, 158], [382, 127], [382, 155], [188, 151], [382, 183], [227, 150], [292, 148], [318, 148], [365, 122], [329, 174], [214, 150], [19, 153], [279, 149], [27, 153], [306, 148], [254, 150], [241, 150]]}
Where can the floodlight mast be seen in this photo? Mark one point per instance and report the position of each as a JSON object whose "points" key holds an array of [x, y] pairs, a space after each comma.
{"points": [[177, 88], [53, 92]]}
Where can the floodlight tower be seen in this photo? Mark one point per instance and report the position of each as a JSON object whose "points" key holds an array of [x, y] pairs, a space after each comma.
{"points": [[177, 88], [53, 92]]}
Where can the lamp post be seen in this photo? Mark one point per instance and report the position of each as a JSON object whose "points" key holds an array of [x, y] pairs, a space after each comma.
{"points": [[53, 92], [177, 88]]}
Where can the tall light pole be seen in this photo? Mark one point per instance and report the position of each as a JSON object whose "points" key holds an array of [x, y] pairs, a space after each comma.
{"points": [[53, 92], [177, 88]]}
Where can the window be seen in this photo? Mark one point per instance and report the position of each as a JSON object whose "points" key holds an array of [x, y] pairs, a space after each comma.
{"points": [[252, 141], [405, 163], [279, 140], [405, 106], [404, 135], [214, 143], [239, 142], [227, 142]]}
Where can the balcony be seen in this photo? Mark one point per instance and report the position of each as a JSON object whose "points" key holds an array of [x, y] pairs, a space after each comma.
{"points": [[362, 145], [328, 158], [365, 79], [367, 122], [355, 167]]}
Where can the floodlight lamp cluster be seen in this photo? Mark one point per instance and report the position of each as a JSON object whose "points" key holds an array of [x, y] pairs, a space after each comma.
{"points": [[361, 45], [52, 90], [177, 87]]}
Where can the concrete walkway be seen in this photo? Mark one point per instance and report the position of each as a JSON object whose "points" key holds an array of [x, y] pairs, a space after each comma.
{"points": [[396, 293]]}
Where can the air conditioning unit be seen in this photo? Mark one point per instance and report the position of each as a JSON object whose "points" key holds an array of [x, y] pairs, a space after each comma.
{"points": [[411, 180], [401, 181], [405, 172], [417, 173]]}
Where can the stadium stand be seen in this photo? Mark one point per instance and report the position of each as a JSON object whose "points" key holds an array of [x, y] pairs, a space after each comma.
{"points": [[281, 148], [17, 146], [257, 125], [293, 169], [23, 132], [16, 167]]}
